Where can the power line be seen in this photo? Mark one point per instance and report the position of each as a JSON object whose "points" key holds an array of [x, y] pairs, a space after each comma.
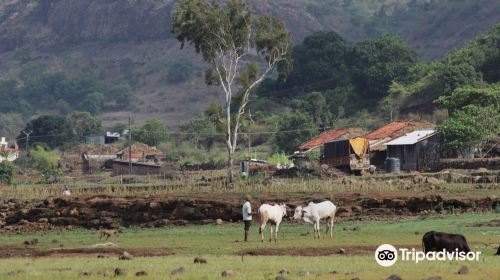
{"points": [[199, 133]]}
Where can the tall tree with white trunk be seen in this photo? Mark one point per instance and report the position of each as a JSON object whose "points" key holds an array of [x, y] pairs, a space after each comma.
{"points": [[235, 43]]}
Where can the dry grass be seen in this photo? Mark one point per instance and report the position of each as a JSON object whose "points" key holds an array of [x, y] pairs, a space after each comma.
{"points": [[213, 182]]}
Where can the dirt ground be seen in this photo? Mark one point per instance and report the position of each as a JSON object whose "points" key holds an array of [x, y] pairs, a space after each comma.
{"points": [[310, 252], [104, 211], [12, 252]]}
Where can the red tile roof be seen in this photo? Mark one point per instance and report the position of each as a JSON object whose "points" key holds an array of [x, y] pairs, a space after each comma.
{"points": [[393, 130], [329, 136], [397, 129]]}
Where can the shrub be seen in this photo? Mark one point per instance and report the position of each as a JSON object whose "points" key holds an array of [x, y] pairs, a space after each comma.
{"points": [[46, 162], [6, 172], [279, 158]]}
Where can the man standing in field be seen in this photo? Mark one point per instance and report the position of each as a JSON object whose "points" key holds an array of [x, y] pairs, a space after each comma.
{"points": [[247, 215]]}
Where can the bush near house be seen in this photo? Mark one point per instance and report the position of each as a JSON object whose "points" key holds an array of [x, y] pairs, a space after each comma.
{"points": [[6, 172]]}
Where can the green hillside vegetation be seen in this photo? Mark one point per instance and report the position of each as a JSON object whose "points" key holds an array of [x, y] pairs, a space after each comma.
{"points": [[337, 84], [132, 60], [339, 79]]}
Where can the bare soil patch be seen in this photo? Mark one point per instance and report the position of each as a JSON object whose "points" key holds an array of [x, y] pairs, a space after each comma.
{"points": [[310, 252], [13, 252], [492, 223]]}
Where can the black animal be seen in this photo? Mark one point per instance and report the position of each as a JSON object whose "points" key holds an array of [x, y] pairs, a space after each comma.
{"points": [[437, 241], [498, 251]]}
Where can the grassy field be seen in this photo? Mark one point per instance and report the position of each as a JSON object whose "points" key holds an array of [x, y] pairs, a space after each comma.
{"points": [[218, 245]]}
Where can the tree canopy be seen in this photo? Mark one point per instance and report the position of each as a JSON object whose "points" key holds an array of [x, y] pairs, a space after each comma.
{"points": [[152, 132], [49, 130]]}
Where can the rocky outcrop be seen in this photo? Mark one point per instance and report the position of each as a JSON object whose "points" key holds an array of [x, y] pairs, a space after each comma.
{"points": [[53, 22]]}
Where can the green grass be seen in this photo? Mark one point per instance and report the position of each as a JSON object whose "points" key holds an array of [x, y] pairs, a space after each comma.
{"points": [[217, 244]]}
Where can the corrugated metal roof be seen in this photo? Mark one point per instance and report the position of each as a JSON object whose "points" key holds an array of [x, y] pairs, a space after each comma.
{"points": [[329, 136], [412, 137]]}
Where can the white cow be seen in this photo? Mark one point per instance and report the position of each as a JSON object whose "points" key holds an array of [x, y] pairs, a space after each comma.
{"points": [[273, 214], [314, 212]]}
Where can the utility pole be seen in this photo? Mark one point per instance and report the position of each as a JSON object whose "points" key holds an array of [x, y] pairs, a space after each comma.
{"points": [[27, 146], [27, 140], [129, 145], [249, 136]]}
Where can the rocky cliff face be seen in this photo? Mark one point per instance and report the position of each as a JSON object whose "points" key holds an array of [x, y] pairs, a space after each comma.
{"points": [[53, 22], [432, 27]]}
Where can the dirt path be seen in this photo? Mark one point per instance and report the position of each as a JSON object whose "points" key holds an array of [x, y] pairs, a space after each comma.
{"points": [[13, 252]]}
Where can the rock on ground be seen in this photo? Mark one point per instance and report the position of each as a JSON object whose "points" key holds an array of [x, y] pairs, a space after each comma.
{"points": [[200, 260], [126, 256], [463, 270], [177, 271], [394, 277], [304, 273], [120, 272], [141, 273], [434, 278], [227, 273]]}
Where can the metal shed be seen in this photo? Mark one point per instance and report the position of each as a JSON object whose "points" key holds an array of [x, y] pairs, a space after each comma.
{"points": [[417, 150]]}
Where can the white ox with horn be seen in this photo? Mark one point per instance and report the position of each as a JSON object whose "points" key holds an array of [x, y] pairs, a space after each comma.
{"points": [[314, 212]]}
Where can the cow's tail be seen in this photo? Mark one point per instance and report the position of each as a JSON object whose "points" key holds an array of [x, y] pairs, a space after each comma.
{"points": [[423, 246]]}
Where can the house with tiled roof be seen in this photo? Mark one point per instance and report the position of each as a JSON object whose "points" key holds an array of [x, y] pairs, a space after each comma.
{"points": [[140, 152], [380, 136]]}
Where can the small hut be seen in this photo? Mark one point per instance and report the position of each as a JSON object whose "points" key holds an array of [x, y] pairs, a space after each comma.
{"points": [[348, 154], [417, 150]]}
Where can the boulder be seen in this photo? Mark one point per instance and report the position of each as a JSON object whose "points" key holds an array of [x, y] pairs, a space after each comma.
{"points": [[125, 256], [179, 270], [433, 181], [120, 272], [31, 242], [200, 260], [187, 213], [219, 222], [84, 273], [19, 215], [304, 273], [227, 273], [434, 278], [463, 270], [141, 273]]}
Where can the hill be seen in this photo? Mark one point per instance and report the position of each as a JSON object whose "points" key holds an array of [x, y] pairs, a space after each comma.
{"points": [[129, 42]]}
